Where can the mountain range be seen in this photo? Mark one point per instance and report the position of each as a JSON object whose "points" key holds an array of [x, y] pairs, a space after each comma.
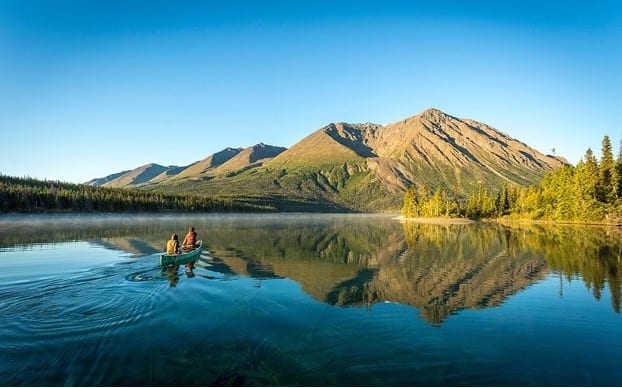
{"points": [[355, 167]]}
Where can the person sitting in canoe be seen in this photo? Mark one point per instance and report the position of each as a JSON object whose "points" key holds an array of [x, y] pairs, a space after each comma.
{"points": [[190, 241], [172, 245]]}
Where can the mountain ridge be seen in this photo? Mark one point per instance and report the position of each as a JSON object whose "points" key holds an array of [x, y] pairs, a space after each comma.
{"points": [[364, 166], [136, 177]]}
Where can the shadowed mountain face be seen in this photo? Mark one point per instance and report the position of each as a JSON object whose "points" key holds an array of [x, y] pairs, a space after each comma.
{"points": [[201, 167], [365, 167], [249, 157]]}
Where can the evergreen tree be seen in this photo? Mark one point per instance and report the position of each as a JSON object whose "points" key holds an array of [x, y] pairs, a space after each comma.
{"points": [[608, 175], [589, 177], [591, 191], [434, 207], [481, 204], [531, 203], [410, 207], [503, 200], [619, 170], [587, 206]]}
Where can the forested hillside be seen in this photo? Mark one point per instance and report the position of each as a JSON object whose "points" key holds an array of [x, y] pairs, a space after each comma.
{"points": [[591, 191], [35, 196]]}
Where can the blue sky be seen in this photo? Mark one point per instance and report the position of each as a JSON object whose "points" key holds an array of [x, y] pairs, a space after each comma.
{"points": [[90, 88]]}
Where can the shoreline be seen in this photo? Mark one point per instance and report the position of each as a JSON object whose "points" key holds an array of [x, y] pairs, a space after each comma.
{"points": [[548, 222], [466, 221], [436, 220]]}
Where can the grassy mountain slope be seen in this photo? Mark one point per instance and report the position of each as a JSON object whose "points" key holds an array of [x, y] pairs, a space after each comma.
{"points": [[106, 179], [367, 167], [138, 176], [201, 167], [249, 157]]}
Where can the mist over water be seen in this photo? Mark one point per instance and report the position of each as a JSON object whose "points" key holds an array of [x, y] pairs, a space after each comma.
{"points": [[297, 299]]}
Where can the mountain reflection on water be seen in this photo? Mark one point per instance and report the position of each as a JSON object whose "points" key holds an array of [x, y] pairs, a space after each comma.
{"points": [[362, 260], [439, 269]]}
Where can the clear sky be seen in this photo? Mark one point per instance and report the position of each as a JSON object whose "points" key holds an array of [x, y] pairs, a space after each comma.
{"points": [[90, 88]]}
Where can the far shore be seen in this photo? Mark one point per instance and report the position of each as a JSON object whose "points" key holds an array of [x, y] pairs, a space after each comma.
{"points": [[436, 220], [548, 222], [465, 221]]}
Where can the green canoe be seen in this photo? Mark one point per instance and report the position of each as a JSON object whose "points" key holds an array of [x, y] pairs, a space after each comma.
{"points": [[182, 258]]}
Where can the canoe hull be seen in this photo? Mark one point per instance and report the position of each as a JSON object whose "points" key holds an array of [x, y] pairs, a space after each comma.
{"points": [[182, 258]]}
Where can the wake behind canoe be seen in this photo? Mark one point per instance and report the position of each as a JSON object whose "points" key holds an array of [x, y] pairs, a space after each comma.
{"points": [[182, 258]]}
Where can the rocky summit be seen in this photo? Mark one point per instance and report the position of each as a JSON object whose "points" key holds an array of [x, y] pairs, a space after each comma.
{"points": [[356, 167]]}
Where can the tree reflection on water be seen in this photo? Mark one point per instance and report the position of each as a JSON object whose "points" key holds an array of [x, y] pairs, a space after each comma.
{"points": [[439, 269], [360, 261]]}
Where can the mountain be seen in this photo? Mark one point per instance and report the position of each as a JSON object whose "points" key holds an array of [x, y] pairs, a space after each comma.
{"points": [[249, 157], [333, 143], [136, 177], [366, 167], [434, 146], [106, 179], [201, 167], [223, 162], [171, 171]]}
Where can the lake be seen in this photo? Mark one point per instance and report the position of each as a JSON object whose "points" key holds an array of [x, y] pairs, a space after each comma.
{"points": [[308, 299]]}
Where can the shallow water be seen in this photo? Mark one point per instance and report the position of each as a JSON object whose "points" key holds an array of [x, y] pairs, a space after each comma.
{"points": [[295, 299]]}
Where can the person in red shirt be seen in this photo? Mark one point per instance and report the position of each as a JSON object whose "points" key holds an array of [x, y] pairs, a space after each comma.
{"points": [[190, 241]]}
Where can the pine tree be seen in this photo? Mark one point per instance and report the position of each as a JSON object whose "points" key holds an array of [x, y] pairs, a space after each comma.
{"points": [[584, 188], [503, 200], [608, 180], [619, 170], [589, 177], [410, 207], [437, 203]]}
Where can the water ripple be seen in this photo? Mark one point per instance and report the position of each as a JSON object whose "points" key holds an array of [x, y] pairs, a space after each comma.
{"points": [[97, 303]]}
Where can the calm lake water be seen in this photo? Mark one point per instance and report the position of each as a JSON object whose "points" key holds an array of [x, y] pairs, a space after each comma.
{"points": [[296, 299]]}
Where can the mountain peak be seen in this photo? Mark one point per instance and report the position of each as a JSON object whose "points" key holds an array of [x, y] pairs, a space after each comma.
{"points": [[262, 151], [432, 111], [435, 115], [248, 157]]}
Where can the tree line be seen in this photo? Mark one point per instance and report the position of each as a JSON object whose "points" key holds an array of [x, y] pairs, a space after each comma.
{"points": [[27, 195], [591, 191]]}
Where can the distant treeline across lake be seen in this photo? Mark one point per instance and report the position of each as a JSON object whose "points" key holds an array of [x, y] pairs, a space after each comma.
{"points": [[26, 195]]}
